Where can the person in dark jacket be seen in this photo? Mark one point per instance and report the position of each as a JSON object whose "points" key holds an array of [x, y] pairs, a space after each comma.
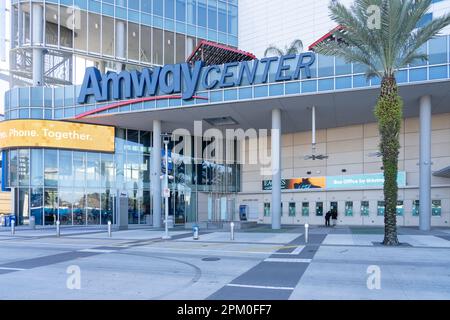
{"points": [[327, 219], [334, 216]]}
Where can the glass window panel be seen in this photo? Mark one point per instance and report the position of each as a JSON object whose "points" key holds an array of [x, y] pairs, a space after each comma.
{"points": [[108, 30], [158, 46], [24, 167], [79, 208], [94, 33], [181, 48], [437, 48], [51, 24], [133, 41], [23, 206], [93, 207], [192, 11], [212, 14], [146, 44], [37, 205], [37, 167], [50, 168], [169, 47], [93, 170], [326, 66], [79, 167], [66, 198], [50, 206], [201, 13], [418, 74]]}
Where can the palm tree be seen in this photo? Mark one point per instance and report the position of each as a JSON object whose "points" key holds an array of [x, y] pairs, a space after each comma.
{"points": [[295, 47], [393, 43]]}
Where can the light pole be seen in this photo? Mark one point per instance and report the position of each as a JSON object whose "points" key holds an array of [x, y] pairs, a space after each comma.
{"points": [[166, 139]]}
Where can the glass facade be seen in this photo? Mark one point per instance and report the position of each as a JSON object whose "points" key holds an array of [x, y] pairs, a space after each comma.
{"points": [[328, 74], [80, 188], [155, 31]]}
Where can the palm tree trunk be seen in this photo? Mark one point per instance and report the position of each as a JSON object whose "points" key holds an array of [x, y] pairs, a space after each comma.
{"points": [[389, 114]]}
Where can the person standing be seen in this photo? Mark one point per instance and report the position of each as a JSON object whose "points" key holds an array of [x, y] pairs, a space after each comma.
{"points": [[327, 218], [334, 216]]}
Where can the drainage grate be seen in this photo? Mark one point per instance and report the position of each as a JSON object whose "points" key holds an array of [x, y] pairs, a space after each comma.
{"points": [[210, 259]]}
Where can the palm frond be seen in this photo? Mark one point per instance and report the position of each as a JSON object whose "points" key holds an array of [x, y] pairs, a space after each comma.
{"points": [[273, 50]]}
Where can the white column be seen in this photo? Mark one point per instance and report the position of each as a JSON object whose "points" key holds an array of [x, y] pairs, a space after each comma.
{"points": [[276, 169], [425, 163], [38, 42], [156, 173]]}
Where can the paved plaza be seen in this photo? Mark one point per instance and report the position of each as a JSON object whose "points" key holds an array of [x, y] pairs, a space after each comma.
{"points": [[336, 263]]}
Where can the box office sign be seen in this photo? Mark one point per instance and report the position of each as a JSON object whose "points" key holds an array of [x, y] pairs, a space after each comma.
{"points": [[359, 181], [56, 134]]}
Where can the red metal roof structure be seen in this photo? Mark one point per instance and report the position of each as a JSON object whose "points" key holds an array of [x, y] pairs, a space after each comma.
{"points": [[215, 54], [327, 37]]}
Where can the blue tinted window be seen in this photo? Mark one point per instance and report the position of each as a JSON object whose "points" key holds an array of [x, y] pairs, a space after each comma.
{"points": [[292, 87], [309, 86], [158, 8], [181, 10], [426, 19], [192, 11], [216, 96], [276, 90], [201, 13], [437, 50], [326, 84], [360, 81], [376, 81], [343, 83], [326, 66], [245, 93], [146, 6], [230, 95], [232, 19], [37, 96], [402, 76], [212, 14], [260, 91], [169, 9], [438, 72], [222, 10], [418, 74], [421, 50], [342, 67]]}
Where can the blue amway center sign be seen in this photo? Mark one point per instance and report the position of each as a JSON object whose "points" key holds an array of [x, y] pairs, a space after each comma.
{"points": [[186, 79]]}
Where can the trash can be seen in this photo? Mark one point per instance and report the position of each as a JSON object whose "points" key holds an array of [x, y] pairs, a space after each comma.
{"points": [[33, 222]]}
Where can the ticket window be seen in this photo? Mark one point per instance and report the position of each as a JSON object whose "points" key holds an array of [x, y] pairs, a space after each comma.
{"points": [[349, 208], [334, 206], [267, 209], [319, 209], [305, 209], [380, 208], [416, 208], [292, 210], [365, 208], [436, 208], [400, 209]]}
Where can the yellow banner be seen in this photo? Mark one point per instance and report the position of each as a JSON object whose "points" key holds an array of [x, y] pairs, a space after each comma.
{"points": [[56, 134]]}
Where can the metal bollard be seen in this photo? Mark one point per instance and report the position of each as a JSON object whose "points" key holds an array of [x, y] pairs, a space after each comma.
{"points": [[306, 232], [13, 227], [232, 231], [109, 229], [58, 230], [195, 229]]}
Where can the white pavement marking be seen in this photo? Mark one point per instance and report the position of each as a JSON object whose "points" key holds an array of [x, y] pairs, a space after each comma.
{"points": [[97, 251], [288, 260], [295, 252], [258, 287], [12, 269]]}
